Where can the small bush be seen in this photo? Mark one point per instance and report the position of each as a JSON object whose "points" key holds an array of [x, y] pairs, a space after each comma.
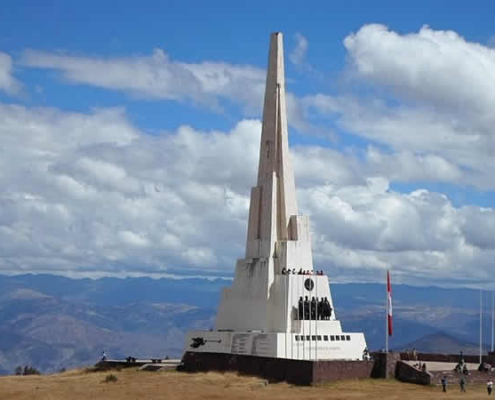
{"points": [[30, 371], [26, 370], [111, 378]]}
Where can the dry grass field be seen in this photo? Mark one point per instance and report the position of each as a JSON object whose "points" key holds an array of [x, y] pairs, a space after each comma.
{"points": [[132, 384]]}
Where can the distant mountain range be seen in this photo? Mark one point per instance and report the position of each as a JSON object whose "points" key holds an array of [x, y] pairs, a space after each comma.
{"points": [[441, 343], [52, 322]]}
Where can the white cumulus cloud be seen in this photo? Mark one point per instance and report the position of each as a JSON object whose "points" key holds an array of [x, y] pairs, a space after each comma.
{"points": [[159, 77], [91, 194], [298, 55], [8, 83], [429, 116]]}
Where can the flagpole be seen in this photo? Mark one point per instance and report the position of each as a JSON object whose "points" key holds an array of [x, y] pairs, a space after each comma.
{"points": [[386, 314], [310, 337], [481, 327], [316, 321], [493, 316], [304, 319], [286, 277], [291, 321], [298, 316]]}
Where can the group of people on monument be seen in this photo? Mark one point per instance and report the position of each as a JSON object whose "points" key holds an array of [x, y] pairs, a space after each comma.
{"points": [[293, 271], [461, 366], [485, 367], [314, 309], [411, 355], [420, 366]]}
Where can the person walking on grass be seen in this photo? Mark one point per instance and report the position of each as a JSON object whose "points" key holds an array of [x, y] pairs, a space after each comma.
{"points": [[462, 383], [489, 387], [444, 384]]}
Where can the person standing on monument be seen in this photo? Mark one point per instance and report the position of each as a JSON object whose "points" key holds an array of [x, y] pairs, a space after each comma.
{"points": [[322, 312], [328, 309], [318, 309], [444, 384], [301, 308], [313, 308]]}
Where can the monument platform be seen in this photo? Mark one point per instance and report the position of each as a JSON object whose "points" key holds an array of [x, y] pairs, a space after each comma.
{"points": [[311, 339], [297, 372]]}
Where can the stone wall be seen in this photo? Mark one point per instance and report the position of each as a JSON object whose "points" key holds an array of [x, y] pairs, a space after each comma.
{"points": [[407, 373], [326, 371], [299, 372], [304, 372], [453, 378], [410, 374], [385, 364]]}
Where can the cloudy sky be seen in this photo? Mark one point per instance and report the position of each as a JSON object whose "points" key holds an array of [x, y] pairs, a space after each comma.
{"points": [[129, 136]]}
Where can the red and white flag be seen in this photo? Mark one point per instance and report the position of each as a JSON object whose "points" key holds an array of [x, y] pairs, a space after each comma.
{"points": [[389, 305]]}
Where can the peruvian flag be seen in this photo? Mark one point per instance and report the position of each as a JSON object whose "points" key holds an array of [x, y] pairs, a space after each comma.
{"points": [[389, 305]]}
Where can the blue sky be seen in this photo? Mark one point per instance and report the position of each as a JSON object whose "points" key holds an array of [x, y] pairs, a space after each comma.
{"points": [[154, 108], [233, 32]]}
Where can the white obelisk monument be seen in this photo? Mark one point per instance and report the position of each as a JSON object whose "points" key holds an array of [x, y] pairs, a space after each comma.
{"points": [[268, 311]]}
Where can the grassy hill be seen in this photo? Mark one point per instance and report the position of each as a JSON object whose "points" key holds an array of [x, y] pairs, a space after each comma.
{"points": [[132, 384]]}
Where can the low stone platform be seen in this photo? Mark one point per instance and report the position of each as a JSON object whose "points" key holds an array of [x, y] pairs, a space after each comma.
{"points": [[160, 366], [161, 363], [453, 378], [298, 372], [433, 366], [407, 372]]}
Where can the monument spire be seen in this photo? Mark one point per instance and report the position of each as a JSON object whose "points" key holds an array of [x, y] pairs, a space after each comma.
{"points": [[273, 200], [267, 311]]}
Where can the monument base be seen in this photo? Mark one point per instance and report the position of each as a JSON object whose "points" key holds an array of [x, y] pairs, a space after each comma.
{"points": [[298, 372]]}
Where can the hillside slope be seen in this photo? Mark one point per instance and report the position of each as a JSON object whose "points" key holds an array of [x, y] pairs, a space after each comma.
{"points": [[51, 334], [442, 343]]}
